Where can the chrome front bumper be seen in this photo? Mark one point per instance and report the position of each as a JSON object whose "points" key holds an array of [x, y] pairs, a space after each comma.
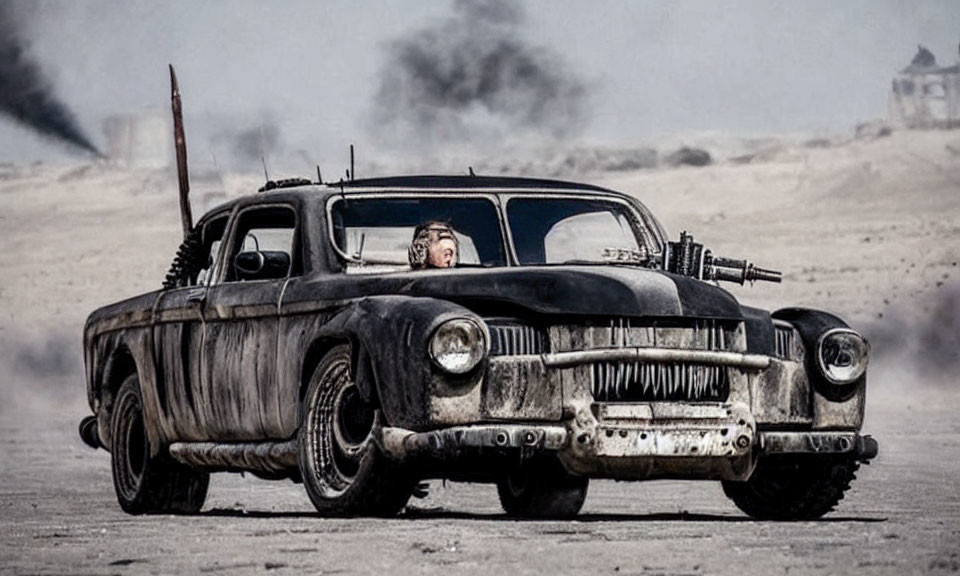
{"points": [[636, 441]]}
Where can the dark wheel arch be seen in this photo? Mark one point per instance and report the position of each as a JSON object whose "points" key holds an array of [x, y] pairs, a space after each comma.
{"points": [[118, 366]]}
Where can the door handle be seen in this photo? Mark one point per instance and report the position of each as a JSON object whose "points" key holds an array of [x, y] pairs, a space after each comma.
{"points": [[196, 296]]}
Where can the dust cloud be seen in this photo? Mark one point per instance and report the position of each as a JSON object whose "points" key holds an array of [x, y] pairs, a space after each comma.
{"points": [[920, 342], [42, 371], [26, 95], [472, 76]]}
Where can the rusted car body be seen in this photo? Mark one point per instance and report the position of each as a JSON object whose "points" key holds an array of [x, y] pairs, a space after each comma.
{"points": [[290, 340]]}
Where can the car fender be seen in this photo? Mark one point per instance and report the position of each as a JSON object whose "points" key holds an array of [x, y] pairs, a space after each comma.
{"points": [[389, 336], [833, 406]]}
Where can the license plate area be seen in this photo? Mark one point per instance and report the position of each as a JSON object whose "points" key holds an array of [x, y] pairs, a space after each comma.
{"points": [[674, 430]]}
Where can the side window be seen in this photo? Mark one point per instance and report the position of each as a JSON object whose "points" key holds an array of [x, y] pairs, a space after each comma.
{"points": [[264, 246], [193, 264], [212, 239]]}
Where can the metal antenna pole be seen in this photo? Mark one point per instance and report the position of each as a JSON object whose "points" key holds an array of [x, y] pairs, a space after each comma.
{"points": [[180, 142]]}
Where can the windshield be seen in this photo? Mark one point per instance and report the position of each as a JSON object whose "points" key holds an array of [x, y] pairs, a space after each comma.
{"points": [[378, 231], [559, 230]]}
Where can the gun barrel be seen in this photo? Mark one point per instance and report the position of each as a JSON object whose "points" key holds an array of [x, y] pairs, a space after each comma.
{"points": [[729, 262], [728, 275], [741, 272], [754, 273]]}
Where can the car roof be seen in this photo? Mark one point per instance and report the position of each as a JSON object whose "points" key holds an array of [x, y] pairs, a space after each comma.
{"points": [[294, 189], [462, 182]]}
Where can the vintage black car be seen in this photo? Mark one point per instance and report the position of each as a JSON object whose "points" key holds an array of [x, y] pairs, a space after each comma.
{"points": [[572, 341]]}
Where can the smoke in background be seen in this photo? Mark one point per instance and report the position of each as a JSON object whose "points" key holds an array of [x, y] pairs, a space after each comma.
{"points": [[242, 147], [922, 339], [472, 75], [26, 95]]}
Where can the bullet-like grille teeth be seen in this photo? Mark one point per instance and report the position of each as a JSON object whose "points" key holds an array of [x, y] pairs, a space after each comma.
{"points": [[646, 382]]}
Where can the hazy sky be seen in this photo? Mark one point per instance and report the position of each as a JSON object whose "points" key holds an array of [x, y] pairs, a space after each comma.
{"points": [[311, 70]]}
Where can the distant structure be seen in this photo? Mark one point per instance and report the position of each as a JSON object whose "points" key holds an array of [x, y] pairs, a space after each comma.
{"points": [[141, 140], [926, 95]]}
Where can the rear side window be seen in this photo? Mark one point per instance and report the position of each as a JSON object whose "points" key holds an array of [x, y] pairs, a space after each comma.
{"points": [[194, 262], [212, 239], [265, 245]]}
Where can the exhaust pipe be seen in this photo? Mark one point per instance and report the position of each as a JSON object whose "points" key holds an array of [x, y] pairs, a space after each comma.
{"points": [[89, 434]]}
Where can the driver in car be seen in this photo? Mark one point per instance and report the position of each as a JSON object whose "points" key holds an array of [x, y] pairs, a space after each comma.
{"points": [[434, 245]]}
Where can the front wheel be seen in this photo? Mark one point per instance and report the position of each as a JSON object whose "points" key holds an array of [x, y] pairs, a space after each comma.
{"points": [[793, 487], [148, 484], [542, 489], [343, 470]]}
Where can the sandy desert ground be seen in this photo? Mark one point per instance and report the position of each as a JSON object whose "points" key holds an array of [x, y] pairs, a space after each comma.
{"points": [[866, 227]]}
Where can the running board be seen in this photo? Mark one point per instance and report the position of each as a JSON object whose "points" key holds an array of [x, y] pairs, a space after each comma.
{"points": [[267, 457]]}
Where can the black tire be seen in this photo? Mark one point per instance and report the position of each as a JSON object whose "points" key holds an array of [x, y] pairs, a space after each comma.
{"points": [[793, 487], [145, 484], [542, 489], [343, 470]]}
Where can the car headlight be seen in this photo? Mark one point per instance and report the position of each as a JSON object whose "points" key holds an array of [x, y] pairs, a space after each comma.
{"points": [[458, 345], [842, 355]]}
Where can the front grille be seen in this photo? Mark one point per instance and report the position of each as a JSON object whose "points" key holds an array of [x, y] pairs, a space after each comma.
{"points": [[515, 339], [784, 336], [679, 333], [650, 382], [705, 334]]}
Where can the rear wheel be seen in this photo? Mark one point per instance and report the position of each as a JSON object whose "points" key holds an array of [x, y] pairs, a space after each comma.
{"points": [[793, 487], [542, 489], [148, 484], [343, 470]]}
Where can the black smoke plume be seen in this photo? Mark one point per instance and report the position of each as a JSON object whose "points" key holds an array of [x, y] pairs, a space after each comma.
{"points": [[250, 144], [242, 147], [472, 74], [26, 95]]}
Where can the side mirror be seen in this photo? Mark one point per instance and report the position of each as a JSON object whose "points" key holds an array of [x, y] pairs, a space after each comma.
{"points": [[261, 265]]}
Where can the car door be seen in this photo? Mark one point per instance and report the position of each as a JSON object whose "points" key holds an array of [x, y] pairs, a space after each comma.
{"points": [[178, 334], [240, 324]]}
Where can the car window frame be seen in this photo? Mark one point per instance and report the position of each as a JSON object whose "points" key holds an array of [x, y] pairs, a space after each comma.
{"points": [[227, 248], [641, 221], [346, 259], [207, 221]]}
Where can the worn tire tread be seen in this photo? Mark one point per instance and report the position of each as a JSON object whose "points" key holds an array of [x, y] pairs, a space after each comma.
{"points": [[793, 488]]}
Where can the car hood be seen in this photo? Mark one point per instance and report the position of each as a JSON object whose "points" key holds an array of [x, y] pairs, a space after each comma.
{"points": [[557, 290]]}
